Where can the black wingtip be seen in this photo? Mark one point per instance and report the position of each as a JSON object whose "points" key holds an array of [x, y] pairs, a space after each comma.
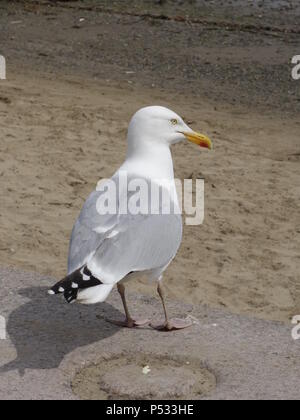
{"points": [[70, 285]]}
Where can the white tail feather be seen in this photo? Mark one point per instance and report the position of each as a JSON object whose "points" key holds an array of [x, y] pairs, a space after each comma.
{"points": [[94, 294]]}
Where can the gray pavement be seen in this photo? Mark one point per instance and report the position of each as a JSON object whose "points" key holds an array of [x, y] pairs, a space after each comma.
{"points": [[59, 351]]}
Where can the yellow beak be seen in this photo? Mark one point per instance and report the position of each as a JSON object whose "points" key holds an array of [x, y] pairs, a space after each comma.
{"points": [[198, 139]]}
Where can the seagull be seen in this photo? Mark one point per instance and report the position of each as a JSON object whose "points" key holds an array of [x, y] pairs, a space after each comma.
{"points": [[110, 248]]}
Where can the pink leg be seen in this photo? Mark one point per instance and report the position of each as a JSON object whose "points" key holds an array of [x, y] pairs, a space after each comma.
{"points": [[169, 324], [128, 322]]}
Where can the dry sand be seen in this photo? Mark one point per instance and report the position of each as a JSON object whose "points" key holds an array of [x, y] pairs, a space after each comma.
{"points": [[61, 133]]}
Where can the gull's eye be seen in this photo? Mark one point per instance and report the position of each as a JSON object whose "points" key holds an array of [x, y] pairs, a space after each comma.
{"points": [[174, 121]]}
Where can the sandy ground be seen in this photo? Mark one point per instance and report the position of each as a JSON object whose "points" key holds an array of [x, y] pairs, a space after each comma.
{"points": [[64, 111]]}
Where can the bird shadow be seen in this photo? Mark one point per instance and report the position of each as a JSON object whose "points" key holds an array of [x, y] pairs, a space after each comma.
{"points": [[44, 330]]}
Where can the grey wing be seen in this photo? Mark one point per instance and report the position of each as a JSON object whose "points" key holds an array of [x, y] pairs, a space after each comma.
{"points": [[115, 244], [138, 243], [88, 233]]}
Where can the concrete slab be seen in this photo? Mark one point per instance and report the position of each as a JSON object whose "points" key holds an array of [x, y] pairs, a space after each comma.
{"points": [[59, 351]]}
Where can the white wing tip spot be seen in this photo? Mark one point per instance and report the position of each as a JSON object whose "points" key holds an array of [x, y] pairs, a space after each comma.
{"points": [[61, 289], [50, 292], [74, 286], [84, 276]]}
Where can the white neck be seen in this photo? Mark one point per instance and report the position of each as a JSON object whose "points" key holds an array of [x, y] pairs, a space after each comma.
{"points": [[149, 159]]}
